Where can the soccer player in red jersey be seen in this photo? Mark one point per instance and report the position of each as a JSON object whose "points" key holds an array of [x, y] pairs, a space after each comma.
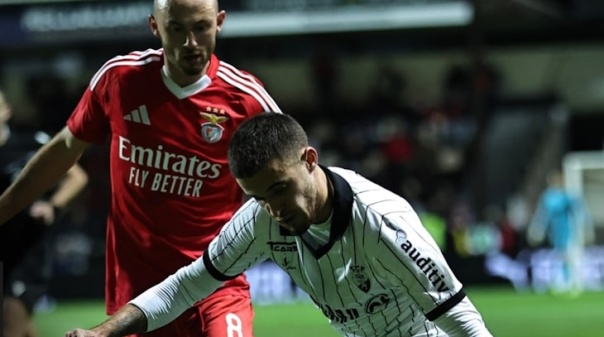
{"points": [[169, 115]]}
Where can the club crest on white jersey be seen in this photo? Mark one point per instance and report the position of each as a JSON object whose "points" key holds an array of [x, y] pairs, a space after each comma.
{"points": [[360, 278]]}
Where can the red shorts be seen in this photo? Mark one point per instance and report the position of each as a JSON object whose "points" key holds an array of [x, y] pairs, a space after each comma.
{"points": [[220, 316]]}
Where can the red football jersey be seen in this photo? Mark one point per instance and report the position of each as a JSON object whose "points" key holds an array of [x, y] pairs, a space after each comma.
{"points": [[171, 187]]}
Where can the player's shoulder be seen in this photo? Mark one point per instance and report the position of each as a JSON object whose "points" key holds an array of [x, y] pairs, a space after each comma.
{"points": [[348, 174], [244, 85], [371, 198], [359, 185], [248, 214], [254, 219], [248, 210], [133, 62], [227, 69]]}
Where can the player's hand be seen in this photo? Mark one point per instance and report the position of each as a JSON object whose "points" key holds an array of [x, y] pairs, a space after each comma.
{"points": [[43, 211], [82, 333]]}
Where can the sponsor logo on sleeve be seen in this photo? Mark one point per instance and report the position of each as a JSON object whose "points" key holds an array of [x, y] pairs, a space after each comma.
{"points": [[426, 266]]}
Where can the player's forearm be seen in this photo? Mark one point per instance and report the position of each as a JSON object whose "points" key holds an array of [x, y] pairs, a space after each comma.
{"points": [[165, 301], [70, 187], [463, 320], [126, 321], [47, 166]]}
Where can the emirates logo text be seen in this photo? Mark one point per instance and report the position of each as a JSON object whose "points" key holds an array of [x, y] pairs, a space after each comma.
{"points": [[181, 175]]}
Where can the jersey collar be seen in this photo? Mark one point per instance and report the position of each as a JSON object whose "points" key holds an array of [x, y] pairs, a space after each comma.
{"points": [[194, 88], [342, 211]]}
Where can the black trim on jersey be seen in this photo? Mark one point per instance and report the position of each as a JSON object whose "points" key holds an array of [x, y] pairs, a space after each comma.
{"points": [[213, 271], [342, 211], [283, 231], [446, 305]]}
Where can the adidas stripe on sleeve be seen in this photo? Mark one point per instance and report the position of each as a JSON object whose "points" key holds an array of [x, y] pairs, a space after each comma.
{"points": [[132, 59], [248, 84]]}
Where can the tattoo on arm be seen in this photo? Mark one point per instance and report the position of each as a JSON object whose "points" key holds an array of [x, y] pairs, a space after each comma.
{"points": [[126, 321]]}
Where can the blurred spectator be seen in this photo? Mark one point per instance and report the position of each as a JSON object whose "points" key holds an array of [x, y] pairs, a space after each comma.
{"points": [[437, 227], [509, 240], [461, 218], [387, 95], [325, 73], [52, 100], [25, 241]]}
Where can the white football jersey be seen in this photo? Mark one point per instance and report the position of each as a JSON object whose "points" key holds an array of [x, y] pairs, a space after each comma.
{"points": [[380, 274]]}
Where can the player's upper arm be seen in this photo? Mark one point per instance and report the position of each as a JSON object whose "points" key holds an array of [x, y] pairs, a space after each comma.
{"points": [[72, 142], [64, 147], [89, 120], [237, 247], [405, 254]]}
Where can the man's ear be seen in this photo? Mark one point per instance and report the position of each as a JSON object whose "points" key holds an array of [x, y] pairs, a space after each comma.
{"points": [[153, 25], [220, 20], [311, 157]]}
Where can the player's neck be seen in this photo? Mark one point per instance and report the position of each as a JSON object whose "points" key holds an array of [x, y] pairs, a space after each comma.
{"points": [[182, 79], [324, 197]]}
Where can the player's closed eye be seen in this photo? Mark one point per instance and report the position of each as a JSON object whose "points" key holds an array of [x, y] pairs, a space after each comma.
{"points": [[279, 189], [175, 28], [201, 28], [275, 192]]}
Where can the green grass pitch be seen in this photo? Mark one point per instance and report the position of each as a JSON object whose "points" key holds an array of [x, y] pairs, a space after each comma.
{"points": [[507, 314]]}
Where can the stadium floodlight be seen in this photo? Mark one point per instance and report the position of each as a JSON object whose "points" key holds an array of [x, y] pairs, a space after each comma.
{"points": [[34, 2], [348, 19]]}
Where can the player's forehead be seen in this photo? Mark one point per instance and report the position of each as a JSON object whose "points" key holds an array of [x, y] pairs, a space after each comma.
{"points": [[273, 172], [183, 11]]}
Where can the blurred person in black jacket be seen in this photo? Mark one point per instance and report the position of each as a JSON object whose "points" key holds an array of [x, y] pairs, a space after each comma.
{"points": [[25, 247]]}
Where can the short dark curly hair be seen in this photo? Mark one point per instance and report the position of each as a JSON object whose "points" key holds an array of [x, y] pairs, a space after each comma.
{"points": [[262, 138]]}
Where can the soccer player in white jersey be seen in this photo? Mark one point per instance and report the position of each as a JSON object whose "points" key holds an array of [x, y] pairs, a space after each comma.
{"points": [[359, 250]]}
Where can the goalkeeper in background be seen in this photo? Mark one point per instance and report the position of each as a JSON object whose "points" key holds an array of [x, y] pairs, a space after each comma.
{"points": [[565, 221]]}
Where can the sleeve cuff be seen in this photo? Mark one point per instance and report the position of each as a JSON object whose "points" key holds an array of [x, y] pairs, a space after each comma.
{"points": [[213, 271], [446, 305]]}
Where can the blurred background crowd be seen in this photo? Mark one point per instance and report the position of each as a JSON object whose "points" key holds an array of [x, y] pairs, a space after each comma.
{"points": [[461, 107]]}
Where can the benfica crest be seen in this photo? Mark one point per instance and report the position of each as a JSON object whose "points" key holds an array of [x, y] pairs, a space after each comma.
{"points": [[360, 278], [212, 130]]}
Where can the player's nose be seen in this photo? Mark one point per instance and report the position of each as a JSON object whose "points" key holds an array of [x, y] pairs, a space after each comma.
{"points": [[190, 40], [275, 208]]}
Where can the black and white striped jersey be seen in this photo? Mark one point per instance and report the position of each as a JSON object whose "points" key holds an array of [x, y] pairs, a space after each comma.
{"points": [[380, 274]]}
